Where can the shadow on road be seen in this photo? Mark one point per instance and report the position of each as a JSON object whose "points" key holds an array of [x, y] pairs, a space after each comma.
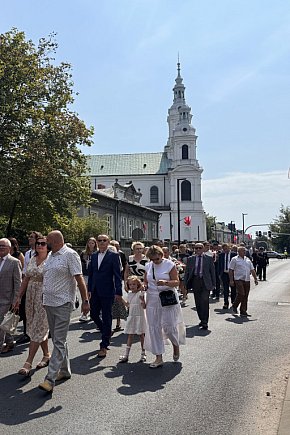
{"points": [[194, 331], [16, 406], [240, 320], [138, 377]]}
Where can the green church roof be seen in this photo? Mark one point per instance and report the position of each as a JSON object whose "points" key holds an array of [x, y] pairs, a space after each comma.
{"points": [[129, 164]]}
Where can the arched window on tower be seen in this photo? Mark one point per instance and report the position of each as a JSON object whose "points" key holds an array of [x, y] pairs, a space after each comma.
{"points": [[184, 152], [154, 195], [186, 191]]}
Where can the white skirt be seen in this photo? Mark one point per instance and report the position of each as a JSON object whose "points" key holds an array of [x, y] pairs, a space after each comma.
{"points": [[163, 323]]}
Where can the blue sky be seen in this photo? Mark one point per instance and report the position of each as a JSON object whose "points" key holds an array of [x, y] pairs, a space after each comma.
{"points": [[235, 62]]}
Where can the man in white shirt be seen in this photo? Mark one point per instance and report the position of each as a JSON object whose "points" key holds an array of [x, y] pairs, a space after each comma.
{"points": [[240, 270], [61, 273]]}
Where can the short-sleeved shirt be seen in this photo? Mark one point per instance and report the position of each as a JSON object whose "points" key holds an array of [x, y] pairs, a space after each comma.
{"points": [[59, 284], [242, 268]]}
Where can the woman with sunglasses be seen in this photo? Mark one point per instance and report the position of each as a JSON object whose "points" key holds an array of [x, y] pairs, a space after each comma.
{"points": [[37, 325], [86, 256], [163, 322]]}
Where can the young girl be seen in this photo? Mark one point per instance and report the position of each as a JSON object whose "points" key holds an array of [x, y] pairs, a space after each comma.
{"points": [[136, 322]]}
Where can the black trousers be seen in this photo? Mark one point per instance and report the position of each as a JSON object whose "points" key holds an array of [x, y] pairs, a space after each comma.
{"points": [[261, 270], [102, 305], [201, 297]]}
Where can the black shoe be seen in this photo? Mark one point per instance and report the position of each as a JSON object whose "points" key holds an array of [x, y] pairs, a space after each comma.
{"points": [[245, 315], [203, 325], [23, 339], [234, 310], [225, 307]]}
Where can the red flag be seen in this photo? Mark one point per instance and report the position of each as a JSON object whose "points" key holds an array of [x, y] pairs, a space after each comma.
{"points": [[187, 220]]}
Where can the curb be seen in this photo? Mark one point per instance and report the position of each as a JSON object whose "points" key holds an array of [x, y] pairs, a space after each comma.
{"points": [[284, 425]]}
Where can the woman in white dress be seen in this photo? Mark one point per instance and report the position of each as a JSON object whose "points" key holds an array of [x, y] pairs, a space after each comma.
{"points": [[163, 322]]}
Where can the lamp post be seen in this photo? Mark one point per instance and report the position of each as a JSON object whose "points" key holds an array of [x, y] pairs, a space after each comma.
{"points": [[178, 208], [243, 218]]}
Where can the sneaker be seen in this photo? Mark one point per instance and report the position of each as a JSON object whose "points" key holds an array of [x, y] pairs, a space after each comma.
{"points": [[46, 386], [63, 377], [84, 318], [123, 359]]}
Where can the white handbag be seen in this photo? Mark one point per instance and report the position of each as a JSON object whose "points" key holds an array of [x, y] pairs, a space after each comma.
{"points": [[10, 322]]}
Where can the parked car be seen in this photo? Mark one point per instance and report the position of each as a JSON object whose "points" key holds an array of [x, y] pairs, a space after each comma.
{"points": [[274, 254]]}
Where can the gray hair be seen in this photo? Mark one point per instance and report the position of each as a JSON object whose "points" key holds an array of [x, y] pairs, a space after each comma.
{"points": [[7, 242]]}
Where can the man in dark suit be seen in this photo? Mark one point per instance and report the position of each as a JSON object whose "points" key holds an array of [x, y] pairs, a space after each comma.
{"points": [[104, 285], [200, 276], [10, 281], [224, 262]]}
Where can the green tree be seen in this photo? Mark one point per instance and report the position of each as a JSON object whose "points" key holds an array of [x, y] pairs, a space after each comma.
{"points": [[210, 226], [78, 230], [281, 230], [41, 165]]}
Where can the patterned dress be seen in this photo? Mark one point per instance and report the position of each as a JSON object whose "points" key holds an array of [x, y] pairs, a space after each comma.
{"points": [[137, 267], [37, 325]]}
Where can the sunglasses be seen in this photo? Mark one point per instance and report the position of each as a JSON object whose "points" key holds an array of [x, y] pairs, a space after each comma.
{"points": [[198, 247], [41, 243], [103, 240]]}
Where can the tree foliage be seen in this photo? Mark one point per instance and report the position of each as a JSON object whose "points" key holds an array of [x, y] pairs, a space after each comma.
{"points": [[281, 230], [210, 224], [79, 229], [41, 165]]}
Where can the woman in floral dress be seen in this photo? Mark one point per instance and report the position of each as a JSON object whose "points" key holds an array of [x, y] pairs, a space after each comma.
{"points": [[37, 325]]}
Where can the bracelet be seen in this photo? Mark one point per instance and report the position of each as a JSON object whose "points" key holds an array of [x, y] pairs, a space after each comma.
{"points": [[85, 301]]}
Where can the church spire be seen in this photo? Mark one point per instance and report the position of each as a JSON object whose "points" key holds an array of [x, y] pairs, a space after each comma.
{"points": [[179, 88]]}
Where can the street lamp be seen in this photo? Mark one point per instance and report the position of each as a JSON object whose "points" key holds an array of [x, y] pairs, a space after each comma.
{"points": [[243, 218], [178, 209]]}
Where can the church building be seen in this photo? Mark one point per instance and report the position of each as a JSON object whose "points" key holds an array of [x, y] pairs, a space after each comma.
{"points": [[169, 181]]}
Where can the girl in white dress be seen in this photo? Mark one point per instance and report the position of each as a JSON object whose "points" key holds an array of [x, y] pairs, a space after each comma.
{"points": [[136, 322]]}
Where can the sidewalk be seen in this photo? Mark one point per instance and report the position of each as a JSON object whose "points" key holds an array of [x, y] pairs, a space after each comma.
{"points": [[284, 426]]}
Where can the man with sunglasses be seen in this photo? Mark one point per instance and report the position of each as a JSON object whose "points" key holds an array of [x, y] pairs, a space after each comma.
{"points": [[104, 285], [200, 277]]}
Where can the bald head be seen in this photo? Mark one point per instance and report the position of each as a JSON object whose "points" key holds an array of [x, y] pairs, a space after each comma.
{"points": [[55, 240]]}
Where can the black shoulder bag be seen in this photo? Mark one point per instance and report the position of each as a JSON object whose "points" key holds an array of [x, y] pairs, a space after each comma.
{"points": [[167, 297]]}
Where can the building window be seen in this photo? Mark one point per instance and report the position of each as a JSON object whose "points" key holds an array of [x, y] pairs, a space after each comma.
{"points": [[154, 230], [186, 191], [109, 221], [154, 195], [130, 228], [123, 227], [184, 152]]}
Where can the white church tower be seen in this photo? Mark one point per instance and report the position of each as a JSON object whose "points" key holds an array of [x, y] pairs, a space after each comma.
{"points": [[170, 180], [184, 175]]}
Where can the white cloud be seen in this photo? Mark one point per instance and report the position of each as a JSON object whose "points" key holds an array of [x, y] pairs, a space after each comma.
{"points": [[260, 195]]}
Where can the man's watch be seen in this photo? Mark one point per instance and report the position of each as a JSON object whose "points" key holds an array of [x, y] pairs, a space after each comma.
{"points": [[85, 301]]}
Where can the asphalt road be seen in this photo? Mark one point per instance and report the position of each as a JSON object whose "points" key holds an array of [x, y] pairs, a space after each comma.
{"points": [[230, 379]]}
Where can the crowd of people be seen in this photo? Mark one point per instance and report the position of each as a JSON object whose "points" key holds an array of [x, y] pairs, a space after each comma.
{"points": [[148, 290]]}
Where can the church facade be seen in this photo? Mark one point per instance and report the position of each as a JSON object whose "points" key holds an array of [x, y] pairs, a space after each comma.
{"points": [[169, 181]]}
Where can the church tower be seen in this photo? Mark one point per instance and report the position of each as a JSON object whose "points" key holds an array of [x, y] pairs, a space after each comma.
{"points": [[185, 172]]}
